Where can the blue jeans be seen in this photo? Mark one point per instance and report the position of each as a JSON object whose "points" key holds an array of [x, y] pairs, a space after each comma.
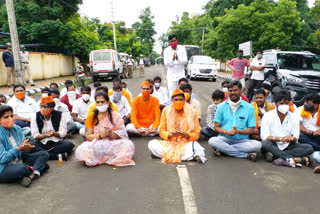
{"points": [[35, 158], [79, 125], [208, 132], [314, 141], [316, 157], [235, 147], [22, 124]]}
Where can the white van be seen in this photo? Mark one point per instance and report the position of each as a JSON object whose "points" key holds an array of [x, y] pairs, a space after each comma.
{"points": [[105, 63]]}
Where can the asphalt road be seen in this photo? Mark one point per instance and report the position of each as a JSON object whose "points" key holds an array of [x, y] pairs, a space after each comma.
{"points": [[221, 185]]}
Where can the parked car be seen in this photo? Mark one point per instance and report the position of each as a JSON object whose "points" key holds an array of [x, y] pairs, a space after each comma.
{"points": [[192, 50], [105, 63], [297, 71], [202, 67]]}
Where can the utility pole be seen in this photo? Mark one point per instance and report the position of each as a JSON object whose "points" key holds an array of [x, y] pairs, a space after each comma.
{"points": [[203, 36], [114, 28], [14, 40]]}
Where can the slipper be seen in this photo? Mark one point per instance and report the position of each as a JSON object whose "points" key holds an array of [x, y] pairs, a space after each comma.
{"points": [[306, 161], [217, 152], [252, 156]]}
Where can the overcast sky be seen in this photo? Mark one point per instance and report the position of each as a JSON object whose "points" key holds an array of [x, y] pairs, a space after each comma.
{"points": [[164, 11]]}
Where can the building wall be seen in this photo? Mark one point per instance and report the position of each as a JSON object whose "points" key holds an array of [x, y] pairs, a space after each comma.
{"points": [[44, 66]]}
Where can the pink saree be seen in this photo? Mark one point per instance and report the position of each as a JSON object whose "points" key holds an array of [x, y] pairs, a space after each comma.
{"points": [[113, 152]]}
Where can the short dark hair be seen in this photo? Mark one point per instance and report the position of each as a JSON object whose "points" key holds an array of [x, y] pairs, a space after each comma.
{"points": [[235, 82], [150, 80], [54, 91], [96, 84], [240, 51], [116, 79], [124, 83], [283, 94], [157, 78], [183, 79], [117, 87], [314, 97], [69, 85], [86, 88], [178, 95], [103, 88], [1, 96], [218, 94], [68, 82], [45, 89], [53, 83], [51, 104], [225, 82], [171, 36], [266, 86], [260, 91], [259, 51], [4, 109], [18, 86], [186, 86]]}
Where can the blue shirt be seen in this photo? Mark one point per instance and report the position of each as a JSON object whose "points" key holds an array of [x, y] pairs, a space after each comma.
{"points": [[243, 118], [7, 58]]}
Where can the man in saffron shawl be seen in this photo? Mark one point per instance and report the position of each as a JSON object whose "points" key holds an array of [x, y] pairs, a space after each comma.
{"points": [[179, 129]]}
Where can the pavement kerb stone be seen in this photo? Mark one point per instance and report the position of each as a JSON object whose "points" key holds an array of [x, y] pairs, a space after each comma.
{"points": [[36, 90]]}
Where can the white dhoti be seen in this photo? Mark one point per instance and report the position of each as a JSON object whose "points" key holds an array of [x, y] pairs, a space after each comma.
{"points": [[131, 129], [192, 149]]}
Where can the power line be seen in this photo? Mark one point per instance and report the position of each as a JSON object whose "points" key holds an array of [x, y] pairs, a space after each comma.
{"points": [[76, 9]]}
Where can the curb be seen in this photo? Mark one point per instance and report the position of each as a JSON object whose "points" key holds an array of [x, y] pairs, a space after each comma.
{"points": [[224, 77], [36, 90]]}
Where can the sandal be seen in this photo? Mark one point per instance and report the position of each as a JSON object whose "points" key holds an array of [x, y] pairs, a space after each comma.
{"points": [[217, 152], [252, 156], [306, 161], [197, 159]]}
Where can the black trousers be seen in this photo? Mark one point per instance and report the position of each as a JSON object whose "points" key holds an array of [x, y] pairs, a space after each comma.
{"points": [[55, 148], [251, 86], [294, 150]]}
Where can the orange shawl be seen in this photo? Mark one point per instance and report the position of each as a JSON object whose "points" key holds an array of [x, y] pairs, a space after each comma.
{"points": [[307, 114], [174, 148], [267, 106], [291, 107]]}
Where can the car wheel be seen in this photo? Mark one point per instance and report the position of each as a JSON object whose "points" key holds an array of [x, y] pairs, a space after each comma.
{"points": [[214, 79], [95, 79]]}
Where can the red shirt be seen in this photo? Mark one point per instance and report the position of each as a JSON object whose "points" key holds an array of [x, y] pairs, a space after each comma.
{"points": [[65, 100]]}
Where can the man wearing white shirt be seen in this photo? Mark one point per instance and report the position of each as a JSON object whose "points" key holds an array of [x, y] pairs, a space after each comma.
{"points": [[122, 103], [160, 92], [80, 107], [175, 57], [280, 132], [23, 106], [55, 94], [257, 77], [64, 91]]}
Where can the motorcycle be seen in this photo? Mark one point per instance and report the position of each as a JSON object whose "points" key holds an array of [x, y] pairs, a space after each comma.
{"points": [[80, 76]]}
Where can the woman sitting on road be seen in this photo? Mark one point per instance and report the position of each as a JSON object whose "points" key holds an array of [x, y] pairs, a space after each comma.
{"points": [[107, 138], [19, 161]]}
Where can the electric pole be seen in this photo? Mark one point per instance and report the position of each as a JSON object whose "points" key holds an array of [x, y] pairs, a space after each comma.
{"points": [[14, 40], [203, 36], [114, 27]]}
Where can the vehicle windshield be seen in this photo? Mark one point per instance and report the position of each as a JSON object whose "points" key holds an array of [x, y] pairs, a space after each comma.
{"points": [[203, 60], [299, 61], [101, 56], [193, 50]]}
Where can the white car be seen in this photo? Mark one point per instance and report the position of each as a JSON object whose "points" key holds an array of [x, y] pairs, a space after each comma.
{"points": [[202, 67]]}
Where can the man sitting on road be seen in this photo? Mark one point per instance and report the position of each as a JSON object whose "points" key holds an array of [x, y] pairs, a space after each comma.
{"points": [[145, 113], [195, 104], [71, 96], [125, 87], [80, 108], [59, 106], [217, 98], [179, 129], [93, 106], [235, 121], [93, 92], [224, 86], [64, 91], [261, 106], [160, 92], [266, 86], [54, 85], [122, 104], [23, 107], [3, 99], [117, 82], [225, 90], [280, 133], [44, 93]]}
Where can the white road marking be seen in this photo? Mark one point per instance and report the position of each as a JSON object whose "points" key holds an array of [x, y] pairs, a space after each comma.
{"points": [[189, 201]]}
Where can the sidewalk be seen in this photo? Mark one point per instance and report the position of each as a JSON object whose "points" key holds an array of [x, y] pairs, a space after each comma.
{"points": [[224, 75], [39, 84]]}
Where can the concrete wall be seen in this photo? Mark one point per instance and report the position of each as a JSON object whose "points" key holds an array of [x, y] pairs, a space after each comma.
{"points": [[44, 66]]}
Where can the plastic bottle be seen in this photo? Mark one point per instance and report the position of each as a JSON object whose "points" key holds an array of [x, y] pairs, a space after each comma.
{"points": [[60, 159]]}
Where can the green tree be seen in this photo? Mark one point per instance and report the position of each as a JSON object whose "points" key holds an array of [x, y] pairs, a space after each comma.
{"points": [[145, 30], [314, 37]]}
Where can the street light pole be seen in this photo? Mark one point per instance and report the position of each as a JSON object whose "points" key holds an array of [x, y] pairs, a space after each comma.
{"points": [[14, 40], [114, 28]]}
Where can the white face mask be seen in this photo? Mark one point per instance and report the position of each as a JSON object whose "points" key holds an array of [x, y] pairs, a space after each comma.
{"points": [[72, 95], [283, 109], [102, 108], [225, 90], [85, 97], [44, 95]]}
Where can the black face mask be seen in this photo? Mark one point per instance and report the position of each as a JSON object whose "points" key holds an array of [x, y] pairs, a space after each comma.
{"points": [[308, 107]]}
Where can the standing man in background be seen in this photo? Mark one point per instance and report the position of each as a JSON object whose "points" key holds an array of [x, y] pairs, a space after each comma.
{"points": [[8, 60], [257, 77], [237, 66], [175, 57], [142, 62], [130, 63], [25, 65], [125, 69]]}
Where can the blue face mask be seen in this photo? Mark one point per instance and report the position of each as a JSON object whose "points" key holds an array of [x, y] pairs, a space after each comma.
{"points": [[157, 84], [116, 96]]}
